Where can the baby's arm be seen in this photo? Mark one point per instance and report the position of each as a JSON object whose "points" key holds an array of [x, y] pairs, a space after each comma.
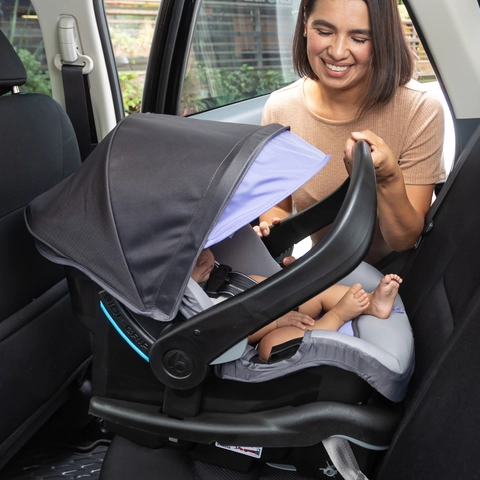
{"points": [[290, 319], [273, 216]]}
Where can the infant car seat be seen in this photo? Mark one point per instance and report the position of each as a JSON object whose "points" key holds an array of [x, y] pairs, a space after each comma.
{"points": [[130, 249]]}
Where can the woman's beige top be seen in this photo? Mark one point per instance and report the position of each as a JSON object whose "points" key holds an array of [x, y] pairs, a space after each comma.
{"points": [[411, 124]]}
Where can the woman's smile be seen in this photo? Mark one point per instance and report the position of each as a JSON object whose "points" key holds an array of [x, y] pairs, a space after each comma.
{"points": [[337, 68]]}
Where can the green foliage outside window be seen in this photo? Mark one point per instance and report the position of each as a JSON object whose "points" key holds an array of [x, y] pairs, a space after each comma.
{"points": [[207, 88], [38, 79], [132, 90]]}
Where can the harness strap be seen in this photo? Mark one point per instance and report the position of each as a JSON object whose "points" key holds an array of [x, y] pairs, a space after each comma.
{"points": [[225, 281]]}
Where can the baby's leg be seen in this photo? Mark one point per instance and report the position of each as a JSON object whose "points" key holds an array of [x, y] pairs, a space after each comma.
{"points": [[350, 306], [382, 299], [324, 301], [277, 337]]}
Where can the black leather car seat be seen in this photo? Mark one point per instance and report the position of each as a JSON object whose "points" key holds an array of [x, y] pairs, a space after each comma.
{"points": [[43, 349], [438, 436]]}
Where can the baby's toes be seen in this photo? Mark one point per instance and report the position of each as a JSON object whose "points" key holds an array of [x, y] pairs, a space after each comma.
{"points": [[364, 302], [355, 289], [387, 279], [360, 295]]}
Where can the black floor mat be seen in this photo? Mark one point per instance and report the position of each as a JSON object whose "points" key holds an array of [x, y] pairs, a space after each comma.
{"points": [[69, 446], [42, 460]]}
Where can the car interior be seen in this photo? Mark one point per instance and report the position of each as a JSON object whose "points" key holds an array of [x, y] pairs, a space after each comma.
{"points": [[119, 418]]}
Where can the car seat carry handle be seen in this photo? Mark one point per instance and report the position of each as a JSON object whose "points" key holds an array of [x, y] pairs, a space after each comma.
{"points": [[180, 356], [295, 228]]}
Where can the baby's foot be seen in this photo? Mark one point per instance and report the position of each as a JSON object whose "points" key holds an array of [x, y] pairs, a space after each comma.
{"points": [[352, 304], [383, 297]]}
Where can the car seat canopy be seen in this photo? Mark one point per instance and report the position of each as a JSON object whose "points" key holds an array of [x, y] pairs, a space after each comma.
{"points": [[155, 192]]}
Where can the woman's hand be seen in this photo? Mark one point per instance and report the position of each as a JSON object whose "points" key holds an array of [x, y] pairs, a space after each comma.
{"points": [[386, 165], [295, 319], [401, 208]]}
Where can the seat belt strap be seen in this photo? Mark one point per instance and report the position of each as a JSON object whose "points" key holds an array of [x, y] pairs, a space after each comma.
{"points": [[342, 456], [77, 101]]}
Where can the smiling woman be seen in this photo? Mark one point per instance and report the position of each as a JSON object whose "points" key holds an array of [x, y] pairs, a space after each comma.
{"points": [[356, 70]]}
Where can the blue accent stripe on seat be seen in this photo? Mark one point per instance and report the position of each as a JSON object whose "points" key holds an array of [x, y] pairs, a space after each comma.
{"points": [[118, 329]]}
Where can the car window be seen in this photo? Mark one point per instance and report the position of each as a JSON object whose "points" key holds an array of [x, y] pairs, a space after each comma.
{"points": [[241, 49], [19, 23], [423, 72], [131, 26]]}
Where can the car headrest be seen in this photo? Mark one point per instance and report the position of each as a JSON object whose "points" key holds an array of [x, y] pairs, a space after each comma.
{"points": [[12, 73]]}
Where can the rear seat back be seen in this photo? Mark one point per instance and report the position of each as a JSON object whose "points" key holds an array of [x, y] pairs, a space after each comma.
{"points": [[438, 436], [42, 346]]}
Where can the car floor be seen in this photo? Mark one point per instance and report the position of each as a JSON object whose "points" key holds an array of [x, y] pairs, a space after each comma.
{"points": [[43, 459], [61, 450], [46, 461]]}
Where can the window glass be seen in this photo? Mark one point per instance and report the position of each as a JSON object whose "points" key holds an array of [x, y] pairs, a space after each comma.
{"points": [[131, 24], [241, 49], [19, 23], [423, 71]]}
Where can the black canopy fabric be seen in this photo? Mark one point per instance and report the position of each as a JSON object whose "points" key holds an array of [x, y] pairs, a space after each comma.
{"points": [[138, 212]]}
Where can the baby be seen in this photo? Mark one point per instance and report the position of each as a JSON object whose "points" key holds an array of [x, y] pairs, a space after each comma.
{"points": [[339, 304]]}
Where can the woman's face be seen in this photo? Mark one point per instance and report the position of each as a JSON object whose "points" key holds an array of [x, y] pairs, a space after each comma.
{"points": [[339, 44], [202, 269]]}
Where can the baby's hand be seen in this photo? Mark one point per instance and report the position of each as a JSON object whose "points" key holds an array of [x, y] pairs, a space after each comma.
{"points": [[263, 229], [295, 319], [288, 261]]}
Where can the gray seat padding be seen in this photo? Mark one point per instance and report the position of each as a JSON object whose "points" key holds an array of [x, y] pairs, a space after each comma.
{"points": [[381, 351]]}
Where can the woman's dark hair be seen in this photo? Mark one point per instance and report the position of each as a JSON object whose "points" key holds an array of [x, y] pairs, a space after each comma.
{"points": [[392, 62]]}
